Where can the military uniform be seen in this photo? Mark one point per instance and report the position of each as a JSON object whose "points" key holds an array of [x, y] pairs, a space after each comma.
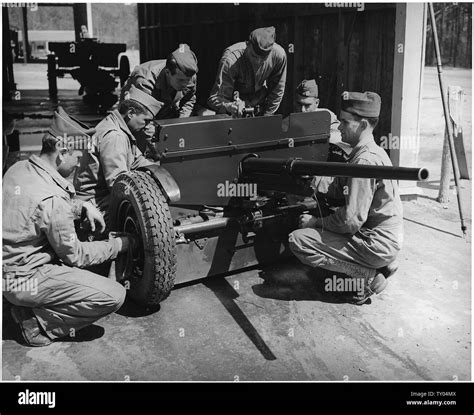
{"points": [[366, 232], [113, 151], [262, 86], [338, 150], [42, 255], [150, 77]]}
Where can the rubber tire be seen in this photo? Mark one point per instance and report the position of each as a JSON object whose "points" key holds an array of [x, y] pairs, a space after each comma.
{"points": [[156, 227], [124, 69]]}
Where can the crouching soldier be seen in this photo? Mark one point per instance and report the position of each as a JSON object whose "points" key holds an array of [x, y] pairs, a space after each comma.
{"points": [[115, 148], [364, 235], [52, 296]]}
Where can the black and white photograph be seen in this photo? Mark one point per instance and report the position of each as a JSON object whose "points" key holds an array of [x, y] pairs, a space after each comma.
{"points": [[237, 192]]}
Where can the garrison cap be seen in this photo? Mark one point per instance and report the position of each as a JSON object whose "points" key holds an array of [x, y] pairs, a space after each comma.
{"points": [[65, 126], [185, 59], [150, 103], [365, 104], [307, 88], [262, 40]]}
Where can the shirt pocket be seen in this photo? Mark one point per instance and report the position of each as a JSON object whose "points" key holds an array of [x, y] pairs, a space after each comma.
{"points": [[20, 225]]}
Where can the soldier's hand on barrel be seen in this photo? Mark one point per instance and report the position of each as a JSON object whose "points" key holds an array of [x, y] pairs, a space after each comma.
{"points": [[307, 221], [93, 215]]}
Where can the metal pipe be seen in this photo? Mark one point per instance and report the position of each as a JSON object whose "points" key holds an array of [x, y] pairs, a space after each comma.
{"points": [[316, 168], [447, 119], [206, 226]]}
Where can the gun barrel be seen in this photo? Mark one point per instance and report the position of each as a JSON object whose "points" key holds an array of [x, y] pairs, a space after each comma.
{"points": [[295, 167]]}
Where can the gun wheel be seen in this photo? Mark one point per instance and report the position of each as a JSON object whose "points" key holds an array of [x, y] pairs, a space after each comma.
{"points": [[138, 206]]}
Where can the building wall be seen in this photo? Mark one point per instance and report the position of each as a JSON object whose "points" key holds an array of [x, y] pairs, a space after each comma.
{"points": [[342, 48]]}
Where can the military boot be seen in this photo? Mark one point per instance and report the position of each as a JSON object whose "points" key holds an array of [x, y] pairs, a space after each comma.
{"points": [[388, 270], [31, 330], [373, 285], [374, 282]]}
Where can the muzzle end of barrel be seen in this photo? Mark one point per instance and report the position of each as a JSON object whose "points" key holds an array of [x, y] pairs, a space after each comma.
{"points": [[423, 174]]}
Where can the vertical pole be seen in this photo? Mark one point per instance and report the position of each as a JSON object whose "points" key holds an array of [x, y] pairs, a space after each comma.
{"points": [[341, 68], [80, 18], [52, 80], [8, 81], [408, 64], [89, 20], [444, 182], [447, 120], [26, 45], [455, 106]]}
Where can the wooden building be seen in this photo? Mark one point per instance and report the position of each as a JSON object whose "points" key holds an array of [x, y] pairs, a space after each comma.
{"points": [[343, 48]]}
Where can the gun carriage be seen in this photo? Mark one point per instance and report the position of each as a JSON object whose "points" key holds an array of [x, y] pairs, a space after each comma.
{"points": [[224, 197]]}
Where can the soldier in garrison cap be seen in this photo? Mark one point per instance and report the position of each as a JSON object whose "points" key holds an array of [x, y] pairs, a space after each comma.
{"points": [[307, 100], [51, 296], [251, 74], [115, 147], [172, 82], [364, 235]]}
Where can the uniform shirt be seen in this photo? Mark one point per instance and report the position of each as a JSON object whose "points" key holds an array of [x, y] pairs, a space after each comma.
{"points": [[368, 204], [151, 78], [265, 86], [113, 151], [38, 221]]}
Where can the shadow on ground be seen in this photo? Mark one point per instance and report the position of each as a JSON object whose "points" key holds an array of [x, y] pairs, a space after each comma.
{"points": [[132, 309], [293, 281]]}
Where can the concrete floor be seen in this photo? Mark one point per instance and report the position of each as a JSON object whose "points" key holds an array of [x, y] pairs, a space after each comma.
{"points": [[243, 327]]}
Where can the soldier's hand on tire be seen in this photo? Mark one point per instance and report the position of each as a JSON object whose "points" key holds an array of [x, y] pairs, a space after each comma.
{"points": [[307, 221], [134, 243], [94, 215], [128, 241]]}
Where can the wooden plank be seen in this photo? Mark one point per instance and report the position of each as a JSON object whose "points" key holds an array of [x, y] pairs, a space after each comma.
{"points": [[455, 104]]}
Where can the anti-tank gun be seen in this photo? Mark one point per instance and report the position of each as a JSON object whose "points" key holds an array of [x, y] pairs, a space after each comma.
{"points": [[225, 196]]}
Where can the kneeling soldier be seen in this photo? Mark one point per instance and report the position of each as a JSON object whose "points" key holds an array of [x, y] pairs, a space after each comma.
{"points": [[52, 296], [363, 237], [114, 149]]}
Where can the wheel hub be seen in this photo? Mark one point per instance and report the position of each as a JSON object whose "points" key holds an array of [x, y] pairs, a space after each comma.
{"points": [[132, 226]]}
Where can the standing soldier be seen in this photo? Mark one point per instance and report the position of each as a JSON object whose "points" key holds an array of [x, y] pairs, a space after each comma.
{"points": [[114, 148], [172, 83], [363, 237], [52, 296], [250, 74]]}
